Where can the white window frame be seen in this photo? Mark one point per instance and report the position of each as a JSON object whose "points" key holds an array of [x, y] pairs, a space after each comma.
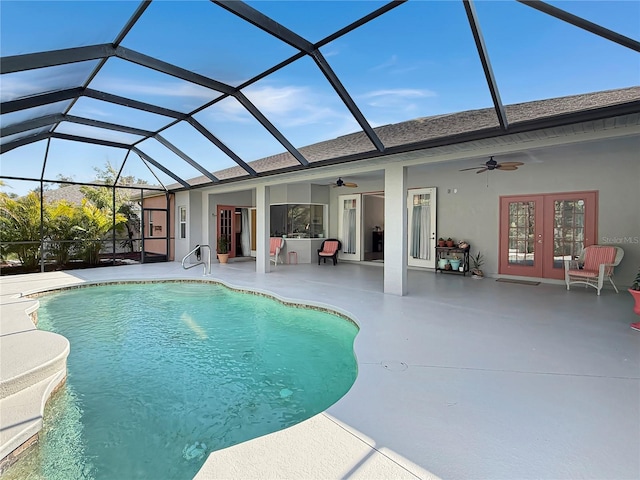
{"points": [[182, 223], [151, 223]]}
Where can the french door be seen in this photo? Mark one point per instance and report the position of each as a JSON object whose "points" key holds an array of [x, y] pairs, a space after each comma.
{"points": [[538, 232], [421, 205], [350, 226], [226, 226]]}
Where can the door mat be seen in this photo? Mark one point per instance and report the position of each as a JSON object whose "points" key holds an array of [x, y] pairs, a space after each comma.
{"points": [[521, 282]]}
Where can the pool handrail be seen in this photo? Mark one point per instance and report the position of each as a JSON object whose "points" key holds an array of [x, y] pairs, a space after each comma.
{"points": [[205, 265]]}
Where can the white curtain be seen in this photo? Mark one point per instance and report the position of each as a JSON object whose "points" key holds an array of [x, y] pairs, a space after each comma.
{"points": [[245, 236], [349, 229], [425, 232], [421, 232]]}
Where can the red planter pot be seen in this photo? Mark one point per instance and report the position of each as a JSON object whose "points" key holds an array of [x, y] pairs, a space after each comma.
{"points": [[636, 298]]}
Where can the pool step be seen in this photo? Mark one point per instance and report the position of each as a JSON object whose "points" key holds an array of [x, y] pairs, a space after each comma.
{"points": [[34, 363], [22, 417], [29, 357]]}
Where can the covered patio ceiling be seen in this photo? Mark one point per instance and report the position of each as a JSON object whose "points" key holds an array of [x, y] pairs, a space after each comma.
{"points": [[171, 91]]}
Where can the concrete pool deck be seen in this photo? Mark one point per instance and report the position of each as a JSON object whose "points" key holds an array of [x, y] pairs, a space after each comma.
{"points": [[459, 379]]}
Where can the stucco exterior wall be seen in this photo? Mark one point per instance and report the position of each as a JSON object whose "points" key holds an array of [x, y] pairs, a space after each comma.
{"points": [[468, 203]]}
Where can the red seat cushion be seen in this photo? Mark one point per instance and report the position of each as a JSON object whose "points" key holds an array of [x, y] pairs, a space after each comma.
{"points": [[329, 249], [274, 243], [583, 273]]}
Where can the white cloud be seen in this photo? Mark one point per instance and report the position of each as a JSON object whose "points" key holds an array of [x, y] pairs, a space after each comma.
{"points": [[287, 107], [400, 93], [165, 89]]}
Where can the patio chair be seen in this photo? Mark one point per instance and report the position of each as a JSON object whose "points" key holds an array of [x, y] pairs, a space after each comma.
{"points": [[329, 249], [275, 245], [596, 263]]}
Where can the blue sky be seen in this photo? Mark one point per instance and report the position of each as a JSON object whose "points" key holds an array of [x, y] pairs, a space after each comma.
{"points": [[417, 60]]}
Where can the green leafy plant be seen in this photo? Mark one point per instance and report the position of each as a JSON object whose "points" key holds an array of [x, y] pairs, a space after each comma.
{"points": [[223, 244], [477, 261], [62, 217], [91, 225], [20, 222], [636, 282]]}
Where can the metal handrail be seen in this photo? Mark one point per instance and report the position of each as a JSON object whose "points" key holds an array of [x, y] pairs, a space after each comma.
{"points": [[205, 265]]}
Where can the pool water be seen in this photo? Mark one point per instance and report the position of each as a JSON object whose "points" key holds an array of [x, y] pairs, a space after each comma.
{"points": [[162, 374]]}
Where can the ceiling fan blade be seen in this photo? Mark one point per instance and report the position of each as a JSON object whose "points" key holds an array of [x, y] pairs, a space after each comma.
{"points": [[507, 168], [482, 170], [472, 168], [350, 184], [510, 164]]}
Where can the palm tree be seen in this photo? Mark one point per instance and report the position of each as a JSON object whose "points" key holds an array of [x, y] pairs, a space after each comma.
{"points": [[61, 227], [20, 222], [91, 225]]}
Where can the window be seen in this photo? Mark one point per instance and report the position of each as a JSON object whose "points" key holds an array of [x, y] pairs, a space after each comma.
{"points": [[297, 220], [183, 222], [150, 223]]}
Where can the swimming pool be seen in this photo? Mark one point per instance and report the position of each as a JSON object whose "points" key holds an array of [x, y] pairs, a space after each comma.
{"points": [[161, 374]]}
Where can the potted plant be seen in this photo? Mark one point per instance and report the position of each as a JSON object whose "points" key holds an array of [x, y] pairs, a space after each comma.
{"points": [[477, 261], [449, 242], [455, 262], [223, 249], [635, 292], [441, 242]]}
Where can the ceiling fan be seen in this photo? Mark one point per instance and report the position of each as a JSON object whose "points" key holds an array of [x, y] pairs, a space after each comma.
{"points": [[491, 164], [341, 183]]}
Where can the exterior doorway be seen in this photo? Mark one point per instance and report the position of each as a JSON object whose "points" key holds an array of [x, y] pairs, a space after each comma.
{"points": [[350, 226], [421, 216], [373, 226], [235, 223], [538, 232]]}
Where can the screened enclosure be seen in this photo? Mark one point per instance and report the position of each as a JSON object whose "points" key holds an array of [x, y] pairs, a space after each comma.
{"points": [[141, 99]]}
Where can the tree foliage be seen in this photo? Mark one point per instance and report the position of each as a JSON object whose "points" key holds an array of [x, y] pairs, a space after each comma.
{"points": [[102, 197], [91, 225], [20, 222]]}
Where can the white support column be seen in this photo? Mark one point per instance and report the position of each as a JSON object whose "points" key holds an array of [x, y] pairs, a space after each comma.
{"points": [[395, 230], [263, 225]]}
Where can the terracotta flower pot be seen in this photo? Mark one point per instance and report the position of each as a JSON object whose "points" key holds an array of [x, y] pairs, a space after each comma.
{"points": [[223, 257]]}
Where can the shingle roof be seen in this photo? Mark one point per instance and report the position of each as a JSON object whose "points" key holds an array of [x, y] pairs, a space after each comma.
{"points": [[431, 128], [69, 193]]}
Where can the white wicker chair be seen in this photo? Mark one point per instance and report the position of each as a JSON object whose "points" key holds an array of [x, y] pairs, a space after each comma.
{"points": [[596, 263]]}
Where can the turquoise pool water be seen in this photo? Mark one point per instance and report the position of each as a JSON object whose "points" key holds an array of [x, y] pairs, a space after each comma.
{"points": [[162, 374]]}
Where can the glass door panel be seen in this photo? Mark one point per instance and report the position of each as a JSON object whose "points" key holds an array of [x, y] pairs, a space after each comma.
{"points": [[226, 227], [568, 232], [521, 235], [570, 225]]}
